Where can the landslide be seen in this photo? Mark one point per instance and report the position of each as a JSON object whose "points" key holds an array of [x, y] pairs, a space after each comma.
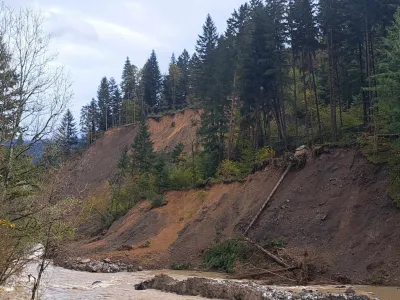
{"points": [[88, 175], [336, 209]]}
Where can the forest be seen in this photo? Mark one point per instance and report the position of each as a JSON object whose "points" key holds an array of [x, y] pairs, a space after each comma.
{"points": [[282, 74]]}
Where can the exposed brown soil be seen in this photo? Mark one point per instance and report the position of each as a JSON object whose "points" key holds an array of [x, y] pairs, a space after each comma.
{"points": [[88, 175], [335, 209]]}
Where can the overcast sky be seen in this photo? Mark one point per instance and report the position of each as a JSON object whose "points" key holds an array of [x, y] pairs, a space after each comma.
{"points": [[94, 37]]}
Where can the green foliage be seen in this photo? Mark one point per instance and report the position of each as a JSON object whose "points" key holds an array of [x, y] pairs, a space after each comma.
{"points": [[181, 178], [228, 171], [275, 244], [157, 201], [264, 154], [143, 156], [181, 266], [177, 153], [223, 256]]}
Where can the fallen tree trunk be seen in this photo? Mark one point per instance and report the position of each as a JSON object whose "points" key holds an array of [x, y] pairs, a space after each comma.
{"points": [[266, 272], [269, 254], [269, 198]]}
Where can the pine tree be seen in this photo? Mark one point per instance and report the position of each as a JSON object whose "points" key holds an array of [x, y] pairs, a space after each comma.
{"points": [[104, 101], [151, 79], [129, 80], [89, 122], [66, 136], [142, 151], [115, 102], [183, 65]]}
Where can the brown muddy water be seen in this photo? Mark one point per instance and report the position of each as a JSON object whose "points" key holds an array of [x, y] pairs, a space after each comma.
{"points": [[63, 284]]}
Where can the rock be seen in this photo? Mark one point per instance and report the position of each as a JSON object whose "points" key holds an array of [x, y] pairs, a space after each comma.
{"points": [[350, 291], [107, 261], [140, 268], [96, 282], [340, 287], [113, 268], [85, 261]]}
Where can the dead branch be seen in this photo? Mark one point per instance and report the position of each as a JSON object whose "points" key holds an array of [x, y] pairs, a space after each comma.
{"points": [[269, 254]]}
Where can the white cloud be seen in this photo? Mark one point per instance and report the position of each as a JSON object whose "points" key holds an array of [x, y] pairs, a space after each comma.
{"points": [[111, 31]]}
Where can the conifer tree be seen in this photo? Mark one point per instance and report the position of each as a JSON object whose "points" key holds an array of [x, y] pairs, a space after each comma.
{"points": [[104, 107], [151, 80], [115, 102], [66, 136], [183, 65], [142, 151]]}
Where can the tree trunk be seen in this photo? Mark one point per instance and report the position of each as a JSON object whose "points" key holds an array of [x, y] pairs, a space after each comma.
{"points": [[295, 95], [316, 97]]}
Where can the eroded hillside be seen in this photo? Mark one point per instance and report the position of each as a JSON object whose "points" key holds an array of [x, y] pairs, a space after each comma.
{"points": [[88, 174], [335, 208]]}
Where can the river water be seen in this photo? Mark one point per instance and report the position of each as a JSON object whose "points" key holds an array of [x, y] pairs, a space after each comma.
{"points": [[63, 284]]}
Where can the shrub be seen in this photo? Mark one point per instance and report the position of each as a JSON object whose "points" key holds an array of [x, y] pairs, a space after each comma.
{"points": [[181, 266], [181, 178], [223, 256], [157, 201], [228, 171], [264, 154]]}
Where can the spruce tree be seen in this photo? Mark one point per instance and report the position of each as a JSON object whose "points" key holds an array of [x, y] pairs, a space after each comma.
{"points": [[142, 151], [115, 102], [151, 79], [103, 100], [183, 65], [129, 80], [66, 136]]}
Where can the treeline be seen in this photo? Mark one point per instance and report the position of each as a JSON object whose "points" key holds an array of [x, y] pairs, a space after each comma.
{"points": [[284, 73], [140, 93]]}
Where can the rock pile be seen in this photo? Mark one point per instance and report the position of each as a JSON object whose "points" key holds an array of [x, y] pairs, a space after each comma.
{"points": [[95, 266], [230, 290]]}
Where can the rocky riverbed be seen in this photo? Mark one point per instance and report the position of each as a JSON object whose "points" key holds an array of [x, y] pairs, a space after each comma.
{"points": [[232, 290], [96, 266]]}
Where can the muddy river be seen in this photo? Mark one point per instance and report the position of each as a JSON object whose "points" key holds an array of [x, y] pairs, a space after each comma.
{"points": [[63, 284]]}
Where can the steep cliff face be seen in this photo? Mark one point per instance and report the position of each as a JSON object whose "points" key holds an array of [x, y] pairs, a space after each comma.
{"points": [[335, 208], [88, 175]]}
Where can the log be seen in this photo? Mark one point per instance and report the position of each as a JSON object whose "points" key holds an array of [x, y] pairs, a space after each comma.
{"points": [[268, 199], [266, 272], [269, 254]]}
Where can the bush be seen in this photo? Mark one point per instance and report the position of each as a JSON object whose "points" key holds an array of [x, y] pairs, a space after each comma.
{"points": [[181, 178], [157, 201], [223, 256], [228, 171], [181, 266], [264, 154]]}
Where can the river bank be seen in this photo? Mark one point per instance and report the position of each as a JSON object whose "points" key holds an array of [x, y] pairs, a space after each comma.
{"points": [[64, 284]]}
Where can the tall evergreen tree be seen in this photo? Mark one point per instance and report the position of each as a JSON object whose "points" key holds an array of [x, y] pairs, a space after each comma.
{"points": [[115, 102], [151, 79], [103, 100], [66, 136], [183, 83], [129, 80], [142, 151]]}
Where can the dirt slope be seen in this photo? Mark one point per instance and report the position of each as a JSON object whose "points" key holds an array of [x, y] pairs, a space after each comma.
{"points": [[335, 208], [88, 174]]}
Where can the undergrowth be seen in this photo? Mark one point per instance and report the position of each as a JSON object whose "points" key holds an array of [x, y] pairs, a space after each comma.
{"points": [[181, 266], [223, 256], [385, 151]]}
